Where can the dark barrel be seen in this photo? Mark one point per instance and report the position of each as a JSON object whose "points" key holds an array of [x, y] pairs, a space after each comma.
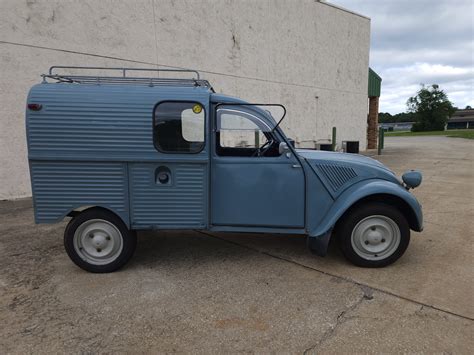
{"points": [[325, 146], [352, 147]]}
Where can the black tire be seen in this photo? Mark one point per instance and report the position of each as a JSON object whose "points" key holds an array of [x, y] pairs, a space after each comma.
{"points": [[345, 227], [120, 257]]}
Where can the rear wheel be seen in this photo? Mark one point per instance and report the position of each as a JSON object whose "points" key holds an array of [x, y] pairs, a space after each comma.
{"points": [[98, 241], [373, 235]]}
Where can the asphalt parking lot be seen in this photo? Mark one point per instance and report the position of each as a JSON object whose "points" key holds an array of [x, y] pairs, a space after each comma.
{"points": [[225, 293]]}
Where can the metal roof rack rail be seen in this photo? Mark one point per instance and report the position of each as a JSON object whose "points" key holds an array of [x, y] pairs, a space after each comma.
{"points": [[123, 78]]}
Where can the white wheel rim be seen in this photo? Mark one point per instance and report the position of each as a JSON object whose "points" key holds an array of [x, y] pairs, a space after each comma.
{"points": [[375, 237], [98, 242]]}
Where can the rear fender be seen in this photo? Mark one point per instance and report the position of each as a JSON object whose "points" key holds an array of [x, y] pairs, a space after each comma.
{"points": [[73, 212]]}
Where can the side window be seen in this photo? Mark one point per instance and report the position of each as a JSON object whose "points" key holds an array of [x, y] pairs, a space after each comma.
{"points": [[178, 127], [241, 133]]}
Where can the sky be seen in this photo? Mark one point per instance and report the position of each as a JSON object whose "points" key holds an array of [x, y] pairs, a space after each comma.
{"points": [[420, 42]]}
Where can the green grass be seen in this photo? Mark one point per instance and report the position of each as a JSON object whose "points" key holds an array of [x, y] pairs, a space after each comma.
{"points": [[455, 133]]}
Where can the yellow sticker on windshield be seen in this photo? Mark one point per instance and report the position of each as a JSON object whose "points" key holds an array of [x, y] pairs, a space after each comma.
{"points": [[197, 108]]}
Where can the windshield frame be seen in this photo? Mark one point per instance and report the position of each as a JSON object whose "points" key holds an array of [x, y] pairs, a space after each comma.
{"points": [[264, 114]]}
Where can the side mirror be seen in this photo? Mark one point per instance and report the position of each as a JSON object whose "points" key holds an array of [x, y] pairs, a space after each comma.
{"points": [[283, 148], [292, 142]]}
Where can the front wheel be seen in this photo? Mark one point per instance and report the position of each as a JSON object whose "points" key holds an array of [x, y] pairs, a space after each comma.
{"points": [[373, 235], [98, 241]]}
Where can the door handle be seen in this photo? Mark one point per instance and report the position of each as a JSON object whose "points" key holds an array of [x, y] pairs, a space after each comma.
{"points": [[296, 166], [163, 176]]}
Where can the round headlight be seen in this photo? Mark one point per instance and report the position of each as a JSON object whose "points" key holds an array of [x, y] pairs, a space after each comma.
{"points": [[412, 179]]}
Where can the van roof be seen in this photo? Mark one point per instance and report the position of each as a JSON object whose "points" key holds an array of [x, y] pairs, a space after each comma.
{"points": [[222, 98]]}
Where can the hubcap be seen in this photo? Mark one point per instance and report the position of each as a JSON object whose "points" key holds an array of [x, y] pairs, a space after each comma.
{"points": [[98, 241], [375, 237]]}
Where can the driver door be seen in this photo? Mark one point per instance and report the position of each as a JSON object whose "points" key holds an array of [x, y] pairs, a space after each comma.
{"points": [[252, 186]]}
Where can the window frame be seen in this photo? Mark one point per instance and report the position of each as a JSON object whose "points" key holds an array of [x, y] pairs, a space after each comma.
{"points": [[153, 125], [245, 114]]}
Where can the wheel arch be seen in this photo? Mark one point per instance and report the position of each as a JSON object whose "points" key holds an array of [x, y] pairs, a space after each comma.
{"points": [[79, 209], [371, 191], [388, 199]]}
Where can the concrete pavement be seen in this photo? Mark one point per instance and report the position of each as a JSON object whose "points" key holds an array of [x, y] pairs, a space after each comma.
{"points": [[437, 268], [223, 293]]}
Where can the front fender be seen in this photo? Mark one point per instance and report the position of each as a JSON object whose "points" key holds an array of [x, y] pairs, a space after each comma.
{"points": [[364, 189]]}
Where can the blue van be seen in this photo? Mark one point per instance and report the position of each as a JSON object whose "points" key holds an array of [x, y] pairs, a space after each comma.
{"points": [[128, 152]]}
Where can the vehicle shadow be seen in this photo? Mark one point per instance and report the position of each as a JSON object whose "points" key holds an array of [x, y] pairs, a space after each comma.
{"points": [[185, 248]]}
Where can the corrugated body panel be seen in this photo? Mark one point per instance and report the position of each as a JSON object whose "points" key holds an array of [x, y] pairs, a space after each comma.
{"points": [[59, 187], [336, 175], [182, 203], [375, 83], [96, 120]]}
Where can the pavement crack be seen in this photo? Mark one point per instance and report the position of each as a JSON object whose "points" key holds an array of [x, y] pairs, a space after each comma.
{"points": [[347, 279], [340, 319]]}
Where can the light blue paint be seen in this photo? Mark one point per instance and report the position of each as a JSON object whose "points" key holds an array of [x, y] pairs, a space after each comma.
{"points": [[178, 204], [92, 145], [266, 192], [361, 190], [412, 179], [60, 187]]}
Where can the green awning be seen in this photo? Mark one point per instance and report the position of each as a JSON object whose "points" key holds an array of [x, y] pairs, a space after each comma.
{"points": [[375, 82]]}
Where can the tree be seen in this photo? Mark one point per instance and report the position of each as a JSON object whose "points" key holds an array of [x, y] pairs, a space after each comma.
{"points": [[385, 117], [431, 108]]}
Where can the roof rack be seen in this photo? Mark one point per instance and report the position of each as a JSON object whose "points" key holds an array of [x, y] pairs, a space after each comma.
{"points": [[124, 79]]}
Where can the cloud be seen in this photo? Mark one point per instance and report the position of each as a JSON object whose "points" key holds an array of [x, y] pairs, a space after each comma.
{"points": [[414, 42], [425, 73]]}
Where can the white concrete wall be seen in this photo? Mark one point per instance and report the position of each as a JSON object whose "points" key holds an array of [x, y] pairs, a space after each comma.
{"points": [[264, 51]]}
